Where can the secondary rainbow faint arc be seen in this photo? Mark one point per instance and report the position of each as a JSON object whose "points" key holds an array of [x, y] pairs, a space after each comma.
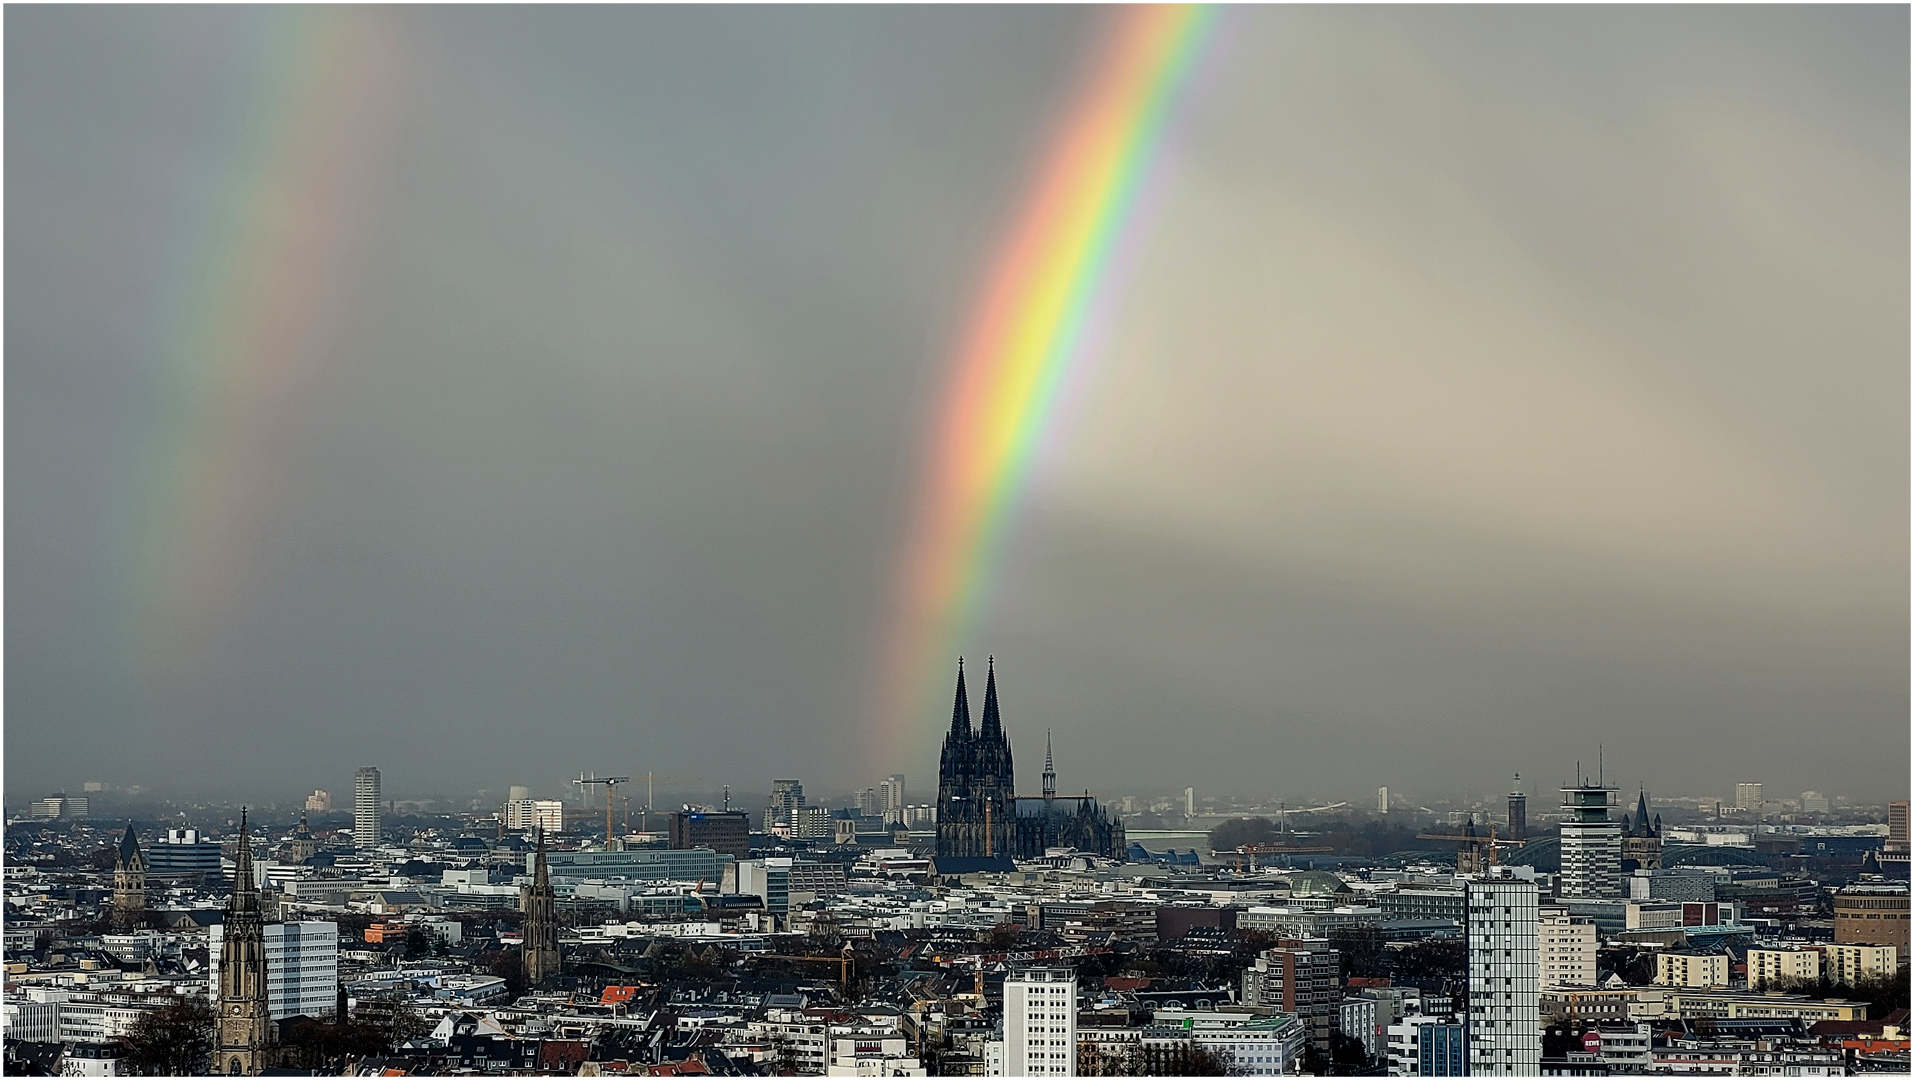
{"points": [[1024, 337], [267, 259]]}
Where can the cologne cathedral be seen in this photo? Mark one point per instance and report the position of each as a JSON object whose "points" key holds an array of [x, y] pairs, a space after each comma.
{"points": [[979, 813]]}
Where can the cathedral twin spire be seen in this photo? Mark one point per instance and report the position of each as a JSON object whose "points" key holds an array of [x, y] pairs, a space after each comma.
{"points": [[993, 726]]}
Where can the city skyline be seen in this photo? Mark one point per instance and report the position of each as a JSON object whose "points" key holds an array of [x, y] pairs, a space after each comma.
{"points": [[500, 393]]}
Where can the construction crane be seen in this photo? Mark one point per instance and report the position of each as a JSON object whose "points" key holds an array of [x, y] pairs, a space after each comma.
{"points": [[585, 783], [843, 961]]}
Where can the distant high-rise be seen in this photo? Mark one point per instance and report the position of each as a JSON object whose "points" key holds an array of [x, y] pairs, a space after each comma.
{"points": [[1382, 800], [1189, 802], [318, 802], [787, 805], [1748, 796], [892, 792], [869, 804], [727, 832], [366, 808], [1518, 811], [1505, 1015], [1591, 844], [1894, 854]]}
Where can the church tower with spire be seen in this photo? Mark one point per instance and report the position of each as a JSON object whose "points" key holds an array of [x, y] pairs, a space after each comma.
{"points": [[1641, 838], [540, 905], [129, 882], [245, 1022]]}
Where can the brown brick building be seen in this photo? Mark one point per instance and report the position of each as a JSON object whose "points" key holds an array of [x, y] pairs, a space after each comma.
{"points": [[1872, 914]]}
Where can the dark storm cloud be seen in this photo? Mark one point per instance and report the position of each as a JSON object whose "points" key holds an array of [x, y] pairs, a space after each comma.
{"points": [[1494, 383]]}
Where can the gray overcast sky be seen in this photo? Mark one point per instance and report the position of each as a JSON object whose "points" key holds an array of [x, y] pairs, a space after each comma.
{"points": [[489, 394]]}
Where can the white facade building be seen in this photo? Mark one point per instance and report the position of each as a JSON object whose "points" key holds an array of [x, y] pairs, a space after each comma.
{"points": [[890, 793], [1567, 949], [1767, 966], [1505, 1015], [546, 814], [1691, 971], [302, 968], [1040, 1022], [873, 1052], [366, 808], [1252, 1045], [33, 1021], [1850, 963]]}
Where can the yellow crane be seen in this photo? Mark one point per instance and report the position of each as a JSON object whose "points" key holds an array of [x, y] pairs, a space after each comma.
{"points": [[610, 782]]}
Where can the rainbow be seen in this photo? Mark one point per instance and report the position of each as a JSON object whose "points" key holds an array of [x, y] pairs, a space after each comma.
{"points": [[1027, 333], [264, 263]]}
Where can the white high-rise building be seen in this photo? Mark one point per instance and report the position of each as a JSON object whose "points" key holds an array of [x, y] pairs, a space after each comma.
{"points": [[302, 968], [1748, 796], [366, 808], [1505, 1005], [1382, 800], [1566, 949], [1040, 1022], [1189, 802], [546, 814], [891, 792], [1591, 844]]}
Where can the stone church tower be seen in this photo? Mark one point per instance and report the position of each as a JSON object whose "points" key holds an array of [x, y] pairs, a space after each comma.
{"points": [[540, 905], [245, 1022], [1641, 839], [129, 883]]}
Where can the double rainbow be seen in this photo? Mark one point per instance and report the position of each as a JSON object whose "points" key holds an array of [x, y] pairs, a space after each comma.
{"points": [[1026, 336]]}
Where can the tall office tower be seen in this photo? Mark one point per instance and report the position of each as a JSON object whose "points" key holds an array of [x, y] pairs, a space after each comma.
{"points": [[1189, 802], [1591, 844], [365, 808], [1505, 1006], [868, 804], [787, 804], [1040, 1022], [318, 802], [1748, 796], [1518, 811], [891, 790], [1382, 800]]}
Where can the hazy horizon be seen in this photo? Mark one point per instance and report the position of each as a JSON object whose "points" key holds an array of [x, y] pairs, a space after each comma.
{"points": [[491, 394]]}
